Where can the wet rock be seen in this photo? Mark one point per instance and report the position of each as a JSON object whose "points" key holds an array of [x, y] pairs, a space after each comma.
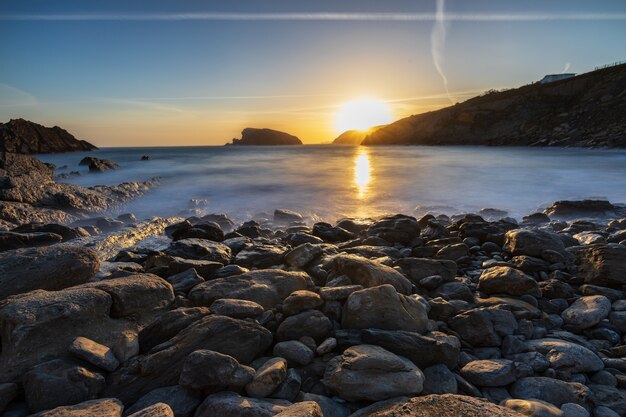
{"points": [[94, 353], [106, 407], [550, 390], [155, 410], [329, 233], [286, 216], [231, 404], [490, 373], [266, 287], [484, 326], [311, 323], [13, 240], [396, 229], [260, 256], [418, 268], [368, 372], [567, 356], [98, 164], [302, 255], [532, 242], [603, 265], [301, 300], [368, 273], [206, 269], [506, 280], [204, 369], [168, 325], [295, 352], [576, 208], [200, 249], [267, 378], [182, 401], [587, 311], [184, 281], [45, 268], [238, 309], [200, 230], [383, 308]]}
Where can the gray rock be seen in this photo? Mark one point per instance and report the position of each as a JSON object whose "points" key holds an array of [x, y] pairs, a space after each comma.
{"points": [[8, 392], [532, 242], [168, 325], [238, 309], [396, 229], [302, 255], [301, 300], [611, 397], [567, 356], [154, 410], [368, 273], [602, 411], [295, 352], [231, 404], [302, 409], [339, 293], [184, 281], [603, 265], [553, 391], [204, 369], [260, 256], [106, 407], [439, 380], [267, 378], [418, 268], [533, 408], [329, 406], [368, 372], [506, 280], [490, 373], [290, 387], [311, 323], [587, 311], [182, 401], [94, 353], [574, 410], [201, 249], [484, 326]]}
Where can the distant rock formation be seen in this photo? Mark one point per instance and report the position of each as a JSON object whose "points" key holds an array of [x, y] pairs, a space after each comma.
{"points": [[255, 136], [354, 137], [25, 137], [588, 110], [97, 164]]}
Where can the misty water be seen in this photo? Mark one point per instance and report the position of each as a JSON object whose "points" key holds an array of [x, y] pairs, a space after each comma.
{"points": [[331, 182]]}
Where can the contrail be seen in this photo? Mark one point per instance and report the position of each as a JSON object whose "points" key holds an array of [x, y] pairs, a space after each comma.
{"points": [[438, 42], [319, 16], [567, 65]]}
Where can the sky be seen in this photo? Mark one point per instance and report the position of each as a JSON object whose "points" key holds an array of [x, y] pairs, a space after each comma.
{"points": [[163, 73]]}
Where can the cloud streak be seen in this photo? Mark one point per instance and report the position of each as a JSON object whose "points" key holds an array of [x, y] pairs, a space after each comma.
{"points": [[438, 42], [317, 16]]}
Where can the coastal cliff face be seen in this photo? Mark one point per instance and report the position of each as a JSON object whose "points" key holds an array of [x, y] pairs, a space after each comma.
{"points": [[354, 137], [25, 137], [587, 110], [255, 136]]}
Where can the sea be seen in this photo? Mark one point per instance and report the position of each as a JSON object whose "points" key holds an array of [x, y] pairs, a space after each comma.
{"points": [[325, 182]]}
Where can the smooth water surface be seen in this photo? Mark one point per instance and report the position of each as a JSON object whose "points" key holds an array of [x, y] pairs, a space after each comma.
{"points": [[330, 182]]}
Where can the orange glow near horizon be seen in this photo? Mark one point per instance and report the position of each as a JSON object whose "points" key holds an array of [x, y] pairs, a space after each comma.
{"points": [[362, 114], [362, 171]]}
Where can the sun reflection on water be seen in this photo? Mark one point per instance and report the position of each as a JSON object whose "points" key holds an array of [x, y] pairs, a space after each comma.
{"points": [[362, 171]]}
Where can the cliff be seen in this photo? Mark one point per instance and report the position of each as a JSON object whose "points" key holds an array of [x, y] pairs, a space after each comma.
{"points": [[255, 136], [354, 137], [587, 110], [25, 137]]}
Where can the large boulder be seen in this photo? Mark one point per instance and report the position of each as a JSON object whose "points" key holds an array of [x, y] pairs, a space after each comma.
{"points": [[169, 324], [444, 405], [383, 308], [162, 366], [485, 326], [490, 372], [204, 249], [45, 268], [311, 323], [396, 229], [507, 280], [417, 268], [532, 242], [580, 208], [13, 240], [587, 311], [567, 356], [371, 373], [182, 401], [553, 391], [368, 273], [105, 407], [228, 403], [267, 287], [260, 255], [603, 265], [204, 369]]}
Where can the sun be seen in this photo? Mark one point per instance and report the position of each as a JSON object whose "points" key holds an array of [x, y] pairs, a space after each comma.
{"points": [[362, 114]]}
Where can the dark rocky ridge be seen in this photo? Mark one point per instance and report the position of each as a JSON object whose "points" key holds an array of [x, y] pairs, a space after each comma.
{"points": [[262, 137], [587, 110], [25, 137], [354, 137]]}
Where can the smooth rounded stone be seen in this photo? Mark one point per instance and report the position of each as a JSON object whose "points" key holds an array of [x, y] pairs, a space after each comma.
{"points": [[326, 346], [301, 300], [182, 401], [618, 319], [238, 309], [368, 273], [532, 242], [602, 411], [444, 405], [574, 410], [331, 233], [231, 404], [537, 362], [230, 270], [206, 368], [168, 325], [602, 265], [567, 356], [11, 240], [371, 373], [339, 293], [105, 407], [417, 269], [268, 287], [302, 409], [611, 397], [453, 252], [506, 280], [154, 410], [455, 290], [302, 255], [201, 249], [244, 340], [298, 238], [290, 387], [610, 293], [604, 377], [439, 380], [56, 383], [286, 216], [550, 390], [395, 229], [8, 392], [296, 353], [267, 378], [329, 406], [423, 351], [485, 326], [94, 353], [184, 281], [383, 307], [587, 311], [49, 268], [553, 288], [533, 408], [490, 373], [260, 255], [311, 323]]}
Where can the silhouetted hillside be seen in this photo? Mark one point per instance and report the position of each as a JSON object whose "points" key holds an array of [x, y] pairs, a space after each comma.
{"points": [[25, 137]]}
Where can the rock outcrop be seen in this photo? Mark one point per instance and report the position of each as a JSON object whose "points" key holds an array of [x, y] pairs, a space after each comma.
{"points": [[23, 136], [263, 137]]}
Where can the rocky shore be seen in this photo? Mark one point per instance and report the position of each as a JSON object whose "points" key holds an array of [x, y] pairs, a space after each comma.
{"points": [[470, 315]]}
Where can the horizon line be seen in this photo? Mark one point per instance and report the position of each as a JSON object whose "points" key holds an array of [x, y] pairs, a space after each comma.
{"points": [[316, 16]]}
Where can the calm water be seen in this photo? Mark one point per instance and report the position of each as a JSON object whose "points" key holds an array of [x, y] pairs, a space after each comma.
{"points": [[331, 182]]}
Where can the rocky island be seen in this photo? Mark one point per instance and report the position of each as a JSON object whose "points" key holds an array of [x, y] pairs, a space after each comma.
{"points": [[265, 137], [26, 137], [474, 315], [584, 111]]}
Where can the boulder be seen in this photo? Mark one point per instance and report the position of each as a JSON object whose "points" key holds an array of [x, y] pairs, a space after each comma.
{"points": [[154, 410], [368, 273], [162, 366], [231, 404], [205, 230], [260, 256], [268, 377], [329, 233], [396, 229], [266, 287], [105, 407], [311, 323], [383, 308], [98, 164], [286, 216], [201, 249], [45, 268], [485, 326], [184, 281], [587, 311], [295, 352], [580, 208], [168, 325], [602, 265], [490, 372], [553, 391], [204, 369], [506, 280], [238, 309], [418, 268], [302, 409], [533, 408], [94, 353], [439, 380], [182, 401], [13, 240], [566, 356], [302, 255], [8, 392], [371, 373], [24, 136], [301, 300], [532, 242], [264, 137], [611, 397]]}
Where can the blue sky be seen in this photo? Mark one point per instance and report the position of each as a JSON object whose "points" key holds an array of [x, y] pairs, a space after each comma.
{"points": [[197, 72]]}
